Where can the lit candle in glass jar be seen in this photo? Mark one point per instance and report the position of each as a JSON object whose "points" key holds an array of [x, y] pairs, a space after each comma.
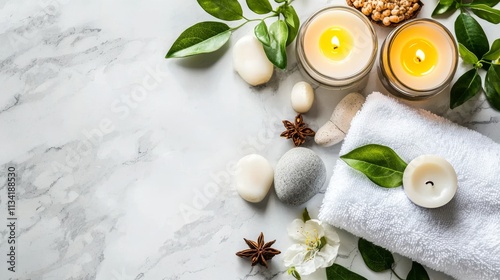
{"points": [[418, 59], [336, 48]]}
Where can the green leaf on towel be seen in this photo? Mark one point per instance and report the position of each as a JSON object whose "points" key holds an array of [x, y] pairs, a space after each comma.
{"points": [[338, 272], [379, 163], [417, 272], [376, 258]]}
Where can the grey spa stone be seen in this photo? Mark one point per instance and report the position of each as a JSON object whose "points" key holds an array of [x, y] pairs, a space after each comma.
{"points": [[299, 175]]}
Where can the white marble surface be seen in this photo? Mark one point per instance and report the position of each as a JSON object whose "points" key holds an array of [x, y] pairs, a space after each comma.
{"points": [[123, 158]]}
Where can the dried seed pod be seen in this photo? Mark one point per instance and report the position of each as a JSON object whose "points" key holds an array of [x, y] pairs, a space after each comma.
{"points": [[367, 10], [386, 21], [376, 16], [388, 12], [394, 19]]}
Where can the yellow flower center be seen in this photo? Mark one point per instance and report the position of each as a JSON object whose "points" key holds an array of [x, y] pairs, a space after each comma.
{"points": [[313, 241]]}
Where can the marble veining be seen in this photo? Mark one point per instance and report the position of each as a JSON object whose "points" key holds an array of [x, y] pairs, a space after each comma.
{"points": [[124, 160]]}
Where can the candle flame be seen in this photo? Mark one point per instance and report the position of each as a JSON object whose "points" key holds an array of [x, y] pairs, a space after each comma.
{"points": [[335, 42], [420, 55]]}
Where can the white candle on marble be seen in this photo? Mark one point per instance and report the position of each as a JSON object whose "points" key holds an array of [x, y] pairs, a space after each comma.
{"points": [[338, 43], [430, 181], [336, 49]]}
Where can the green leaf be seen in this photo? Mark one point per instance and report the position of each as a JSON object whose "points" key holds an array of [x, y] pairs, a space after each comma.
{"points": [[279, 1], [494, 52], [490, 3], [465, 88], [292, 21], [471, 34], [305, 215], [222, 9], [376, 258], [466, 55], [203, 37], [379, 163], [338, 272], [276, 50], [486, 12], [444, 6], [492, 86], [260, 7], [262, 34], [417, 272]]}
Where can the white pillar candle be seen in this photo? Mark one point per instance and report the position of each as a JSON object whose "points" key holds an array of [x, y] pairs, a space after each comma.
{"points": [[336, 47], [430, 181]]}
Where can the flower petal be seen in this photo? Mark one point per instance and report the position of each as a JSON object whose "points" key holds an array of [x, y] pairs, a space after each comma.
{"points": [[296, 231], [307, 268], [328, 254], [331, 235], [313, 226], [294, 255]]}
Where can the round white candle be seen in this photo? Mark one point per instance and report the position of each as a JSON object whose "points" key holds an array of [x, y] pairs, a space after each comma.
{"points": [[360, 55], [438, 39], [430, 181]]}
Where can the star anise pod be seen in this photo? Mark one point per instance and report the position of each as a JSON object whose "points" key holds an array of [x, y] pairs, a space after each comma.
{"points": [[298, 131], [259, 252]]}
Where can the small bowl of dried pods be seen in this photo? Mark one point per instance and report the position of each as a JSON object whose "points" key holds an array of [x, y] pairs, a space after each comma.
{"points": [[388, 12]]}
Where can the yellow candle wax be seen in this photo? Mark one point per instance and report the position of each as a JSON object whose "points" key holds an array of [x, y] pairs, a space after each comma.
{"points": [[419, 57], [336, 43]]}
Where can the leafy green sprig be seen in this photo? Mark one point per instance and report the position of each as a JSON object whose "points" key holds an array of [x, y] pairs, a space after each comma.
{"points": [[209, 36], [475, 50]]}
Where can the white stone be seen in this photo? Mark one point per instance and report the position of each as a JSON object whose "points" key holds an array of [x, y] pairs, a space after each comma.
{"points": [[250, 61], [302, 97], [345, 111], [328, 135], [335, 129], [254, 177]]}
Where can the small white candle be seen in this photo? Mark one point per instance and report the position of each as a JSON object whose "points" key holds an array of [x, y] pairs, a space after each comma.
{"points": [[430, 181]]}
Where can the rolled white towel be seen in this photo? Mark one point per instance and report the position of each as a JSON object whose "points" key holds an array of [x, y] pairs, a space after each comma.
{"points": [[462, 238]]}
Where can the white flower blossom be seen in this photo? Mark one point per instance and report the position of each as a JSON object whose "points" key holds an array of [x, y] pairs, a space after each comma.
{"points": [[316, 246]]}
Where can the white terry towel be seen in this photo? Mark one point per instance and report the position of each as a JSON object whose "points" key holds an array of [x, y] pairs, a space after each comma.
{"points": [[462, 238]]}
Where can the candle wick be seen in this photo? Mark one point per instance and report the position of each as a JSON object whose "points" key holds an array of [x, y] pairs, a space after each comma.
{"points": [[418, 59], [430, 182], [335, 47]]}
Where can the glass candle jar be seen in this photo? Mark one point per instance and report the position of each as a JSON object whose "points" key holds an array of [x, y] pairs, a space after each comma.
{"points": [[418, 59], [336, 48]]}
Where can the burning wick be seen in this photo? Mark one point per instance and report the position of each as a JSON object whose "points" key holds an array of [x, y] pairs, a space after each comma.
{"points": [[335, 42], [420, 56]]}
